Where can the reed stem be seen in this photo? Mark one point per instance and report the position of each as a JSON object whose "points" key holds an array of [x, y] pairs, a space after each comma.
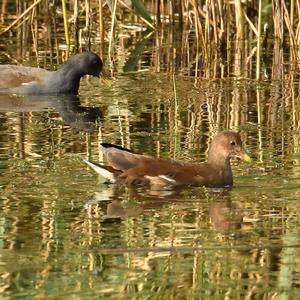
{"points": [[67, 37], [101, 28], [27, 11], [111, 35], [258, 47]]}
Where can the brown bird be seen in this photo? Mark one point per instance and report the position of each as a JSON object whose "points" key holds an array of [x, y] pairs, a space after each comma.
{"points": [[37, 81], [127, 167]]}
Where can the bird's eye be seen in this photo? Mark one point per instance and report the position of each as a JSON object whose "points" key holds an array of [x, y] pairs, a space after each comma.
{"points": [[233, 143]]}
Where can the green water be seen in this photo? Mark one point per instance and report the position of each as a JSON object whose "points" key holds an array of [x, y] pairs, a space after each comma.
{"points": [[65, 234]]}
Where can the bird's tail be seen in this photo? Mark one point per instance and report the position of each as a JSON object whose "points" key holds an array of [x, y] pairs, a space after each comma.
{"points": [[105, 171]]}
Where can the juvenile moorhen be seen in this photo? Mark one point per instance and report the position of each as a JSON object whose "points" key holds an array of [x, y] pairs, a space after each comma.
{"points": [[127, 167]]}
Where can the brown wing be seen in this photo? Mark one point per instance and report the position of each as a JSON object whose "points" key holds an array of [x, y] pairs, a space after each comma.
{"points": [[120, 158], [13, 76]]}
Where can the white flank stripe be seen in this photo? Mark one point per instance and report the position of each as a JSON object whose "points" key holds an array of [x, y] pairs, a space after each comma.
{"points": [[167, 178]]}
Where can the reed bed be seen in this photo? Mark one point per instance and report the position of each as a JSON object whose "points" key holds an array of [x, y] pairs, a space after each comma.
{"points": [[204, 38]]}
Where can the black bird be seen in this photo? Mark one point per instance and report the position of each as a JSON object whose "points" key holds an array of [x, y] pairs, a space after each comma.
{"points": [[36, 81]]}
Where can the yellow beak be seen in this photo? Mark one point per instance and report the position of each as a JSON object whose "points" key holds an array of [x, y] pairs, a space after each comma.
{"points": [[245, 157], [106, 81], [105, 78]]}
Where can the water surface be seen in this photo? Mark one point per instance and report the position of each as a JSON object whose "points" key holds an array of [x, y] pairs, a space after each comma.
{"points": [[66, 234]]}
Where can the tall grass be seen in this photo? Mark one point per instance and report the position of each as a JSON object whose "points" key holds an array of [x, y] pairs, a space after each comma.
{"points": [[226, 31]]}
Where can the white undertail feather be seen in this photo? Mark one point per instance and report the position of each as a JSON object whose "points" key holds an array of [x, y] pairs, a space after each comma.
{"points": [[102, 171], [161, 180], [168, 179]]}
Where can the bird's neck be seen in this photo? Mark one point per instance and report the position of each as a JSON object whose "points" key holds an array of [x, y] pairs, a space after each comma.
{"points": [[222, 166], [218, 159], [71, 79]]}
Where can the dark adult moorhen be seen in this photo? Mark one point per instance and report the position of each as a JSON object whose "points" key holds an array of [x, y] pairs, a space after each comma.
{"points": [[127, 167], [37, 81]]}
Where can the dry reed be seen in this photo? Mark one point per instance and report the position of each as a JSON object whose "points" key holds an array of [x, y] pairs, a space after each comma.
{"points": [[215, 28]]}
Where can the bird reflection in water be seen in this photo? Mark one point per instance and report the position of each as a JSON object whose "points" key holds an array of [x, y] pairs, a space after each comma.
{"points": [[225, 216], [68, 106]]}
